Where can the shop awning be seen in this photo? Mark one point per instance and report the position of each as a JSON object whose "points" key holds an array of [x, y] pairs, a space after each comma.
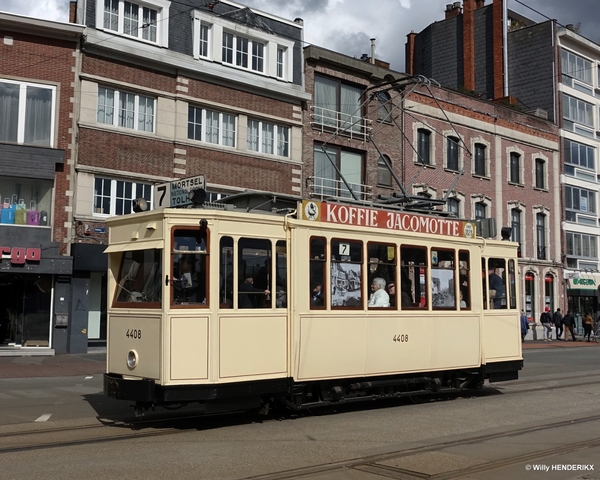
{"points": [[125, 247]]}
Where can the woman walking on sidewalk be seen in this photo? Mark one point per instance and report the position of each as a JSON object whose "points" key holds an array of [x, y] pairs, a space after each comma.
{"points": [[587, 326]]}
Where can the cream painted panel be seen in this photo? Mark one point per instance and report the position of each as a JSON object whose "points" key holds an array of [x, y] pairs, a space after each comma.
{"points": [[189, 348], [253, 345], [410, 351], [147, 345], [501, 337], [165, 117], [455, 341], [181, 120], [332, 347], [84, 194], [89, 102]]}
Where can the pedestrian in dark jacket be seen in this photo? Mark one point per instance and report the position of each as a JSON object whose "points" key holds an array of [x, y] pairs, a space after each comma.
{"points": [[557, 319], [524, 325], [546, 321], [569, 323]]}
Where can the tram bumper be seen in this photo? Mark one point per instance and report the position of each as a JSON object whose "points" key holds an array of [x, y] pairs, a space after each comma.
{"points": [[143, 390]]}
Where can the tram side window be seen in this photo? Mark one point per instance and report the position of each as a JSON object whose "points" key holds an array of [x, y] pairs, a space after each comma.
{"points": [[512, 284], [317, 272], [464, 288], [413, 277], [382, 265], [226, 274], [281, 293], [140, 279], [255, 273], [189, 267], [346, 274], [496, 274], [443, 283]]}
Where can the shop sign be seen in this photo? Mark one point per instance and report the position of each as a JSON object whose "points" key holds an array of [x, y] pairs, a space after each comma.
{"points": [[584, 281], [20, 255]]}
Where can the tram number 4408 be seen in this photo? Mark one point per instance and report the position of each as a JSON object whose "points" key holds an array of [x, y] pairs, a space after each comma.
{"points": [[402, 338], [133, 333]]}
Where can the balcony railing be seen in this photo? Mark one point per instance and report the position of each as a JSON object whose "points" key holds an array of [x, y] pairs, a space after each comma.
{"points": [[339, 123], [324, 188]]}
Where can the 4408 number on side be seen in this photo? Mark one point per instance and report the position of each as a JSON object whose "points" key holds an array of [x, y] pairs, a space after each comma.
{"points": [[402, 338], [133, 333]]}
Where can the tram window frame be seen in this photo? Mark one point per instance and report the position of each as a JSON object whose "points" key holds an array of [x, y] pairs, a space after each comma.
{"points": [[512, 284], [255, 292], [346, 252], [189, 247], [464, 279], [226, 272], [130, 270], [280, 274], [317, 270], [413, 257], [443, 270], [495, 302], [381, 265]]}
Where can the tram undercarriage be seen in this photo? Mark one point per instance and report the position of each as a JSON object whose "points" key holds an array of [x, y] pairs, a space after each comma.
{"points": [[262, 395]]}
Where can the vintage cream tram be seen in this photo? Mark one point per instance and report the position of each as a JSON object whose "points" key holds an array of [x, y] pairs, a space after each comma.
{"points": [[237, 308]]}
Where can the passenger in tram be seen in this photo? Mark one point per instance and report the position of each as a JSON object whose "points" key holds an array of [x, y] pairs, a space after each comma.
{"points": [[463, 304], [392, 293], [187, 281], [248, 295], [379, 297], [496, 288], [316, 296], [406, 297]]}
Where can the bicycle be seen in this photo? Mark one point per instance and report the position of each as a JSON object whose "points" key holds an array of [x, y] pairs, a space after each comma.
{"points": [[595, 336]]}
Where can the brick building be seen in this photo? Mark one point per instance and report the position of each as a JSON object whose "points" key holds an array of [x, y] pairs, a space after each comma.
{"points": [[38, 78], [475, 158], [552, 71], [174, 90]]}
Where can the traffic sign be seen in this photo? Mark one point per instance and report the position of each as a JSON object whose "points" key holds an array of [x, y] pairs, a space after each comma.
{"points": [[175, 193]]}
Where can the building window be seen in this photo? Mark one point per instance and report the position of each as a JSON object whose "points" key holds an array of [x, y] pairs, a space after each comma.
{"points": [[578, 111], [541, 236], [384, 176], [576, 67], [211, 126], [134, 19], [582, 246], [515, 168], [27, 113], [579, 154], [268, 138], [453, 206], [452, 153], [115, 197], [337, 105], [384, 107], [540, 173], [424, 146], [515, 220], [480, 154], [132, 111], [236, 50], [480, 210], [204, 40], [579, 200], [280, 62], [32, 198], [327, 182]]}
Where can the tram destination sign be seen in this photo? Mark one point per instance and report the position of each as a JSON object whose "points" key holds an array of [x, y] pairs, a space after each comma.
{"points": [[358, 216], [175, 193]]}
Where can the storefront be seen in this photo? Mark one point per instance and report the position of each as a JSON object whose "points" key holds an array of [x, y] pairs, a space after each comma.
{"points": [[582, 294]]}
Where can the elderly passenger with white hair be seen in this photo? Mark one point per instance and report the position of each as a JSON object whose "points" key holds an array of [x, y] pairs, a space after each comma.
{"points": [[379, 297]]}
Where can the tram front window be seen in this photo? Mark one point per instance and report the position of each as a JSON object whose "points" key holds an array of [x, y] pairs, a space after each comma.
{"points": [[189, 267], [139, 279]]}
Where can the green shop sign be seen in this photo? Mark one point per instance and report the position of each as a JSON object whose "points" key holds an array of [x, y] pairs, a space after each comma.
{"points": [[584, 281]]}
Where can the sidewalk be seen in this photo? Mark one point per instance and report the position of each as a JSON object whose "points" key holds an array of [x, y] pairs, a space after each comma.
{"points": [[91, 363], [528, 344]]}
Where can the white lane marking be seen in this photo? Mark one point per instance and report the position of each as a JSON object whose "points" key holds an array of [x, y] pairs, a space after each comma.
{"points": [[44, 417], [89, 377]]}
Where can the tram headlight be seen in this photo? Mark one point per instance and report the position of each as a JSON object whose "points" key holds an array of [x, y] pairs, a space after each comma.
{"points": [[132, 359]]}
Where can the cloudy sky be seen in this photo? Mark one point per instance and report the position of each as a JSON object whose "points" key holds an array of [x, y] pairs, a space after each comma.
{"points": [[347, 25]]}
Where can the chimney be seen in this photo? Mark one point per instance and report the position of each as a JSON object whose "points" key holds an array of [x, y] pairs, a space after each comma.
{"points": [[409, 57], [373, 50], [498, 47], [452, 10], [469, 44], [72, 12]]}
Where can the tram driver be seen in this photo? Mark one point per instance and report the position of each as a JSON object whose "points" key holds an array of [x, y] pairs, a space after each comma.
{"points": [[248, 294]]}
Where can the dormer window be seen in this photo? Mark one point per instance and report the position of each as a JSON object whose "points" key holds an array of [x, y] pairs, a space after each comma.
{"points": [[141, 20]]}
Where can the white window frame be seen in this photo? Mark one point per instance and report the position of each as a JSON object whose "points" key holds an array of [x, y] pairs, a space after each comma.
{"points": [[460, 199], [22, 110], [486, 160], [113, 195], [482, 199], [117, 94], [521, 154], [221, 137], [162, 20], [278, 145], [459, 150], [271, 45], [540, 157]]}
